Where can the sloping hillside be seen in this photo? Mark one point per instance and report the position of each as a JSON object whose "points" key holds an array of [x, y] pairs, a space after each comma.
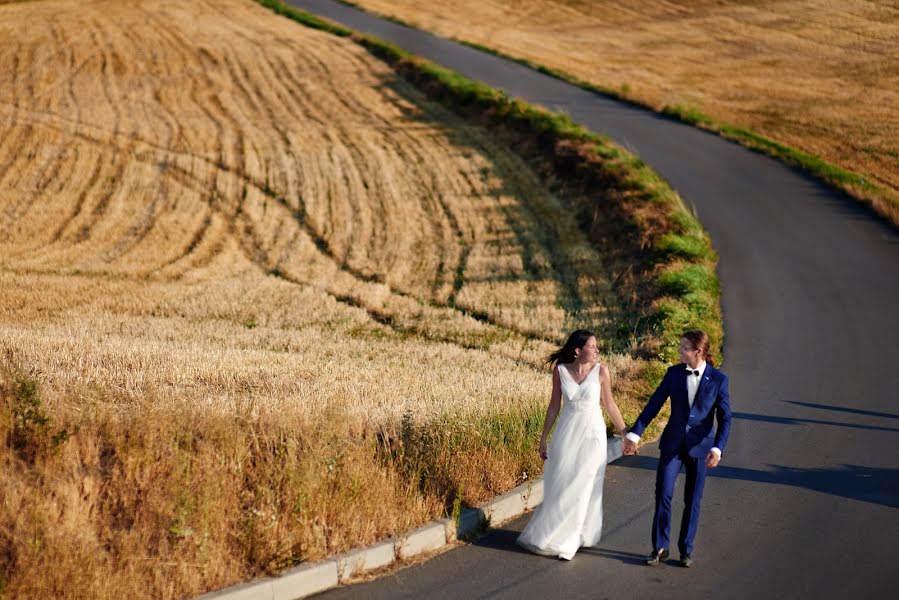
{"points": [[237, 255]]}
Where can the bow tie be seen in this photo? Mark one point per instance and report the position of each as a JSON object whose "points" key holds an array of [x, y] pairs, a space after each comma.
{"points": [[692, 372]]}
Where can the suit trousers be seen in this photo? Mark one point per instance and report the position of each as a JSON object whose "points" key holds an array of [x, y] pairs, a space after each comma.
{"points": [[670, 464]]}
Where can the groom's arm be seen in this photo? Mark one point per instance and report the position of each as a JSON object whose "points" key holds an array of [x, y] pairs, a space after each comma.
{"points": [[652, 408], [722, 416]]}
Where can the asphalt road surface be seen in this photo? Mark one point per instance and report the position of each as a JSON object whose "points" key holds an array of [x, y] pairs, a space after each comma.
{"points": [[805, 503]]}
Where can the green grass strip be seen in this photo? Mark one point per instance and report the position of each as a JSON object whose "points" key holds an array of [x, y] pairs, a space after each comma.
{"points": [[305, 18]]}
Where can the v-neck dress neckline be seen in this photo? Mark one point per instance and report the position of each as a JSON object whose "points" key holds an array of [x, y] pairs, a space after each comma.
{"points": [[586, 377]]}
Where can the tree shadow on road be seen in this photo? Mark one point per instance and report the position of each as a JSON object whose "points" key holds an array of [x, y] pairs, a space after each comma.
{"points": [[799, 421], [857, 482], [628, 558], [855, 411]]}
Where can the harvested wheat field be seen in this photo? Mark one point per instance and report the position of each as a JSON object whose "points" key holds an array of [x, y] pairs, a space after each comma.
{"points": [[818, 75], [242, 264]]}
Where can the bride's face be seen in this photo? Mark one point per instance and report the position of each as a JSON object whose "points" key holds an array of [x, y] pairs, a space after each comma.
{"points": [[590, 351]]}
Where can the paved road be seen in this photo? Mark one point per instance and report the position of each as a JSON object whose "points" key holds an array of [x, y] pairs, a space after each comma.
{"points": [[806, 502]]}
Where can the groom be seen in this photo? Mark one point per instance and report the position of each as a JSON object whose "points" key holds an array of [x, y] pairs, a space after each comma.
{"points": [[698, 395]]}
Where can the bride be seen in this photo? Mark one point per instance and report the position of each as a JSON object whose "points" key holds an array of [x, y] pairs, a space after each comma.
{"points": [[571, 514]]}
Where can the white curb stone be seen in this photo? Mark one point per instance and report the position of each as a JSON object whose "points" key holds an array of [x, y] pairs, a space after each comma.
{"points": [[256, 590], [427, 538], [449, 529], [536, 495], [304, 580], [508, 505], [361, 561]]}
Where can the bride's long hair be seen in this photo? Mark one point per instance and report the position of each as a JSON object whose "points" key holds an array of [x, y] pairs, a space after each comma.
{"points": [[566, 354]]}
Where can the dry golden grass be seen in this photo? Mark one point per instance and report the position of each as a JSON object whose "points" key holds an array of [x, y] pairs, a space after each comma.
{"points": [[817, 75], [262, 301]]}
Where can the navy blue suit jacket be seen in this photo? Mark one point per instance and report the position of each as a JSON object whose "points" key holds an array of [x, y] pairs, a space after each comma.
{"points": [[692, 427]]}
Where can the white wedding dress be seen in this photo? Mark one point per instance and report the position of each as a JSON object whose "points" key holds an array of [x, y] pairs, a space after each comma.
{"points": [[571, 514]]}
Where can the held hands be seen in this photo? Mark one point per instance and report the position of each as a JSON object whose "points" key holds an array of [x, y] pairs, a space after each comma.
{"points": [[630, 448], [712, 459]]}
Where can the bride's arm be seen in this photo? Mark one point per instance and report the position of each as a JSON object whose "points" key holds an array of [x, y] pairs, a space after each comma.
{"points": [[552, 411], [608, 403]]}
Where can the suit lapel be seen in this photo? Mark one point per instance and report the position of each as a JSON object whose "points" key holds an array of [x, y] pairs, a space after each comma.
{"points": [[705, 379], [685, 388]]}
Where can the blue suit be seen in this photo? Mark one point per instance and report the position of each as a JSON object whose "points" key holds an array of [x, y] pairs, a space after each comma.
{"points": [[686, 441]]}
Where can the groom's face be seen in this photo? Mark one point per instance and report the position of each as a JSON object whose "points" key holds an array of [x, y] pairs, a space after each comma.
{"points": [[688, 354]]}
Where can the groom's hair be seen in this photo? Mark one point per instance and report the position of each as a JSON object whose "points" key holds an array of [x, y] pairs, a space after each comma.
{"points": [[699, 339], [566, 354]]}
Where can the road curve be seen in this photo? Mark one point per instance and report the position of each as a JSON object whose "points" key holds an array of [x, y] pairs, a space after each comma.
{"points": [[806, 501]]}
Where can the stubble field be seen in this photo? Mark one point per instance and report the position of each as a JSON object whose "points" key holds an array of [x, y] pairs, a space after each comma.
{"points": [[236, 255], [817, 75]]}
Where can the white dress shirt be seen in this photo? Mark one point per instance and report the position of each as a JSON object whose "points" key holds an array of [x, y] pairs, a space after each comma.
{"points": [[692, 387], [693, 382]]}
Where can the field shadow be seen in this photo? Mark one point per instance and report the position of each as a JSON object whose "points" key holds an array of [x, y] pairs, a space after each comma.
{"points": [[537, 227]]}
